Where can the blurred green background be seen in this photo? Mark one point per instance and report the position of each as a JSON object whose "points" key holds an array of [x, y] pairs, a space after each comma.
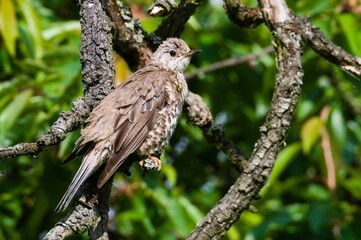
{"points": [[314, 191]]}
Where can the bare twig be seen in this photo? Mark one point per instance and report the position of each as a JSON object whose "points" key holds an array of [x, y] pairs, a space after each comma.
{"points": [[273, 131], [229, 63], [327, 151], [200, 116], [327, 49]]}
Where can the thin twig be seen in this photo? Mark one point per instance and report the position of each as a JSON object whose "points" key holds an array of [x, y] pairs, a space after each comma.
{"points": [[200, 116], [229, 62], [327, 151]]}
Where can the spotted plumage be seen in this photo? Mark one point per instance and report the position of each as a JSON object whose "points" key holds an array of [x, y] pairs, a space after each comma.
{"points": [[138, 117]]}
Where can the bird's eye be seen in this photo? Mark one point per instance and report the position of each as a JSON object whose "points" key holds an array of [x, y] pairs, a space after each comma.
{"points": [[172, 53]]}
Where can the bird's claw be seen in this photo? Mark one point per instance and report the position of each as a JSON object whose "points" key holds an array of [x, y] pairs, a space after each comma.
{"points": [[151, 163]]}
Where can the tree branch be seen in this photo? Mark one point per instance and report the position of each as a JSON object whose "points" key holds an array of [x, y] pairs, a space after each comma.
{"points": [[162, 8], [129, 39], [311, 35], [200, 116], [273, 131], [327, 49], [174, 24], [229, 63], [91, 211], [242, 15]]}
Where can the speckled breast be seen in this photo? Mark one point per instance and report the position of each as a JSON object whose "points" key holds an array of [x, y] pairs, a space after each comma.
{"points": [[158, 138]]}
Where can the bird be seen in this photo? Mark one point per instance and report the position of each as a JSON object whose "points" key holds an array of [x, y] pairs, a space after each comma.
{"points": [[136, 119]]}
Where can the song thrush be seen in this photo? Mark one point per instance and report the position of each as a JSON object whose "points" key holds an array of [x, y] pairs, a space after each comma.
{"points": [[137, 118]]}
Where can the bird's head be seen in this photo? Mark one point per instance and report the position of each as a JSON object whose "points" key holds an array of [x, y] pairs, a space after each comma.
{"points": [[173, 54]]}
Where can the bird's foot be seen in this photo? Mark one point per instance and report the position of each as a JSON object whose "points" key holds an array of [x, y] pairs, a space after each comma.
{"points": [[151, 163]]}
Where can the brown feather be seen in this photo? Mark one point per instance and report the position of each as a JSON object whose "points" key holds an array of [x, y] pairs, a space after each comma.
{"points": [[135, 133]]}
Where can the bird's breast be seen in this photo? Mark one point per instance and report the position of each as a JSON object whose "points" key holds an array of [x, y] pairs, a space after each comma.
{"points": [[162, 131]]}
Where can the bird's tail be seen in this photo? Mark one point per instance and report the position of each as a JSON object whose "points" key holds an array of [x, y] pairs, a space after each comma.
{"points": [[89, 165]]}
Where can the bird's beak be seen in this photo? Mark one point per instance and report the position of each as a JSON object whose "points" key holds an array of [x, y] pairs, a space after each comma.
{"points": [[192, 52]]}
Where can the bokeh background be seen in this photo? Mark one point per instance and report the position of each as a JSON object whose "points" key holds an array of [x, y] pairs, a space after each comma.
{"points": [[314, 191]]}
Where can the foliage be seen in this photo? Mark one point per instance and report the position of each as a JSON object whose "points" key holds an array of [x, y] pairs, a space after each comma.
{"points": [[41, 75]]}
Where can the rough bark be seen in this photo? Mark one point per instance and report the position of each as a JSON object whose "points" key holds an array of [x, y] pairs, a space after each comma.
{"points": [[91, 211], [173, 26], [129, 39], [161, 8], [242, 15], [272, 133]]}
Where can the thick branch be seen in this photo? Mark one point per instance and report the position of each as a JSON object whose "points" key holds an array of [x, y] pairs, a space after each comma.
{"points": [[242, 15], [98, 74], [173, 26], [273, 133], [162, 8], [90, 213], [130, 40]]}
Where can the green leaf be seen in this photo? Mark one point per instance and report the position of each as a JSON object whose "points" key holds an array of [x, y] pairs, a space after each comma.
{"points": [[310, 133], [68, 144], [10, 115], [8, 25], [170, 173], [351, 29], [233, 233], [61, 29], [195, 214], [354, 128], [174, 210], [283, 160], [352, 183], [33, 26], [337, 125]]}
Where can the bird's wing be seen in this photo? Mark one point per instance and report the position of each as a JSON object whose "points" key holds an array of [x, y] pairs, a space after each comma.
{"points": [[142, 90], [119, 124], [136, 119]]}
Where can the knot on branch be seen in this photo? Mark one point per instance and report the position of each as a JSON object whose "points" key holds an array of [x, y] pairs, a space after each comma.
{"points": [[197, 111], [242, 15], [162, 8]]}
